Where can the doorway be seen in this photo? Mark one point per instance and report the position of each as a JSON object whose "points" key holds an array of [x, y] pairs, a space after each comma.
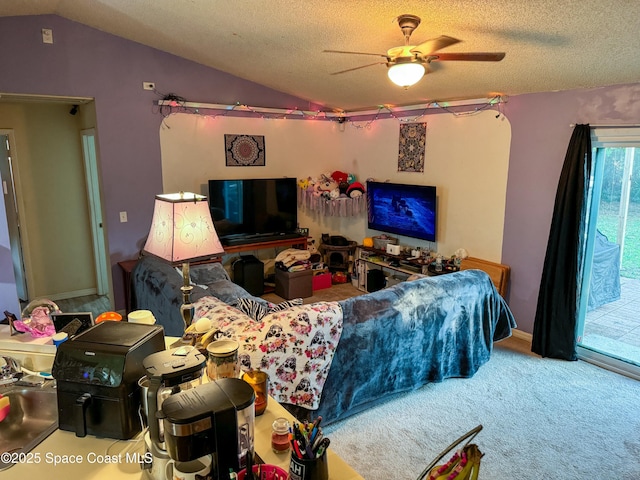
{"points": [[608, 330], [11, 210], [58, 197]]}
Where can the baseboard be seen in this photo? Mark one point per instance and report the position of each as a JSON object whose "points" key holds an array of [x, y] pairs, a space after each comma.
{"points": [[522, 335]]}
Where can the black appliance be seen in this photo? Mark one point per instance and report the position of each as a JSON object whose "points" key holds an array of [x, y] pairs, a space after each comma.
{"points": [[97, 375], [213, 418], [168, 373], [254, 210]]}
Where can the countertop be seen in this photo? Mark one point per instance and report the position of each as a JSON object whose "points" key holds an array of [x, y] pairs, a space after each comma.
{"points": [[63, 455]]}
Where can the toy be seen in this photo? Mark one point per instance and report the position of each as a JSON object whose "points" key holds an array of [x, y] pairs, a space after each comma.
{"points": [[339, 176], [356, 189], [303, 183], [326, 186]]}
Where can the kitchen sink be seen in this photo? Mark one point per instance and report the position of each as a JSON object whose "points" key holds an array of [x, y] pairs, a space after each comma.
{"points": [[33, 417]]}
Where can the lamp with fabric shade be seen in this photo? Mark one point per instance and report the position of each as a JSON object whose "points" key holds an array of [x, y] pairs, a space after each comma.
{"points": [[182, 231]]}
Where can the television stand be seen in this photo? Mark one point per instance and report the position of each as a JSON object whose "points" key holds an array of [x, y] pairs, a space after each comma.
{"points": [[272, 241]]}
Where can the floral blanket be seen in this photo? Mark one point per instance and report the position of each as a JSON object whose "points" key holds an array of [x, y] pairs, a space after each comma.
{"points": [[295, 346]]}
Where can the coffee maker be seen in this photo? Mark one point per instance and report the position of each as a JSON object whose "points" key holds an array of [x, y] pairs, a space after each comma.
{"points": [[168, 373], [215, 418]]}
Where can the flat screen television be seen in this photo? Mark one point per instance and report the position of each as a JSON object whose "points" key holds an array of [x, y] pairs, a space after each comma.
{"points": [[253, 207], [402, 209]]}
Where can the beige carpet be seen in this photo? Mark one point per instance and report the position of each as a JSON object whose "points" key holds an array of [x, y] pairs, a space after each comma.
{"points": [[542, 418]]}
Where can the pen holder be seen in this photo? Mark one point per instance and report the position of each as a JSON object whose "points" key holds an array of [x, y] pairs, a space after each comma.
{"points": [[309, 468]]}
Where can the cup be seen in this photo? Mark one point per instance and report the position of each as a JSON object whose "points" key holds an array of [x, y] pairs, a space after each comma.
{"points": [[59, 338], [192, 470], [259, 381], [309, 468], [141, 316], [222, 359]]}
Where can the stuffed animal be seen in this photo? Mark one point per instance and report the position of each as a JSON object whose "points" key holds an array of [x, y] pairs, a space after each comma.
{"points": [[326, 186], [304, 183], [356, 189], [339, 176]]}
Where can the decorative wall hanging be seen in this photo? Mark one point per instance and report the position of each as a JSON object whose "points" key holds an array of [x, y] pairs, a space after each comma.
{"points": [[413, 140], [244, 150]]}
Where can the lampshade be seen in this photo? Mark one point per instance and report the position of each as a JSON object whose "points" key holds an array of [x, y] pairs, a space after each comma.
{"points": [[406, 74], [182, 229]]}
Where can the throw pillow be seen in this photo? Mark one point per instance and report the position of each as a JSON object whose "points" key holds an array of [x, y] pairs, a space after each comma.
{"points": [[294, 346], [217, 311], [257, 309]]}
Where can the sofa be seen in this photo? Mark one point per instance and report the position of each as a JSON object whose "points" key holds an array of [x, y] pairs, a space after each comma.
{"points": [[374, 346]]}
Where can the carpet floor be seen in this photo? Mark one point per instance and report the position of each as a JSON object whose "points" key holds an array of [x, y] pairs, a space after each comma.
{"points": [[541, 418]]}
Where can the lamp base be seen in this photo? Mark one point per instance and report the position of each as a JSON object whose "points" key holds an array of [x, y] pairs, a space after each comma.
{"points": [[186, 309]]}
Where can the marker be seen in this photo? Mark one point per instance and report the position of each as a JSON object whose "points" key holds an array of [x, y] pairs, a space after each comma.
{"points": [[318, 439], [315, 429], [323, 446]]}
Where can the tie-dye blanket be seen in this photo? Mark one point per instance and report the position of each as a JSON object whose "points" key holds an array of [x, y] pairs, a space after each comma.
{"points": [[295, 346]]}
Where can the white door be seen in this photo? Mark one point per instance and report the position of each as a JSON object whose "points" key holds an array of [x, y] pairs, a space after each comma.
{"points": [[95, 209], [11, 208]]}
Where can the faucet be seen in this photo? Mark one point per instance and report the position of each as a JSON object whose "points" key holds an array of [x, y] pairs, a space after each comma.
{"points": [[11, 372], [9, 367]]}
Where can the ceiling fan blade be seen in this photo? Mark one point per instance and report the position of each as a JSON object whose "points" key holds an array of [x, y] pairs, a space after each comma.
{"points": [[434, 44], [358, 68], [354, 53], [470, 57]]}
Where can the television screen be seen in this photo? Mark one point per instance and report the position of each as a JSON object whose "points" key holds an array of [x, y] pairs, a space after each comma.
{"points": [[253, 206], [408, 210]]}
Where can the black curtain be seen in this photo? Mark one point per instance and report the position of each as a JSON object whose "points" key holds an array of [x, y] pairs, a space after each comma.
{"points": [[554, 330]]}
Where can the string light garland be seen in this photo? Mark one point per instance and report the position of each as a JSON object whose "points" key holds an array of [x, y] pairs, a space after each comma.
{"points": [[171, 104]]}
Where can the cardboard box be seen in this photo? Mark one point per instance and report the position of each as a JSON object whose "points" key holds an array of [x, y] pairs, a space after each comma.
{"points": [[322, 280], [291, 285]]}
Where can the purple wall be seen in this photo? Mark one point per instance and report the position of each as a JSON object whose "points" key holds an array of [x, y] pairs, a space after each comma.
{"points": [[84, 62], [540, 133], [88, 63]]}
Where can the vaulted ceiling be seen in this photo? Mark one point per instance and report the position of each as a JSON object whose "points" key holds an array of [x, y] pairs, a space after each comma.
{"points": [[549, 44]]}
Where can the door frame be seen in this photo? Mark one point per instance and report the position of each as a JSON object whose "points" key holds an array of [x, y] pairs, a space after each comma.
{"points": [[92, 179], [12, 186], [104, 284]]}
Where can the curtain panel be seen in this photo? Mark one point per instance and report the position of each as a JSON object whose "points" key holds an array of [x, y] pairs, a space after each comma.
{"points": [[555, 322]]}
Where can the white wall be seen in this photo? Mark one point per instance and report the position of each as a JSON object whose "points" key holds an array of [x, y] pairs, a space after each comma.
{"points": [[466, 158]]}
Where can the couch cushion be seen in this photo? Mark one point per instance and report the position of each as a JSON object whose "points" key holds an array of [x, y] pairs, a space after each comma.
{"points": [[207, 273]]}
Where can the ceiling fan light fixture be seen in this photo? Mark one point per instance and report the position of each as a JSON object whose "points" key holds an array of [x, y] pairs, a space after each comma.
{"points": [[406, 74]]}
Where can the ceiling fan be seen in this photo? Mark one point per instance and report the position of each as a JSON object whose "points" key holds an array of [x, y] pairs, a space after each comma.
{"points": [[407, 64]]}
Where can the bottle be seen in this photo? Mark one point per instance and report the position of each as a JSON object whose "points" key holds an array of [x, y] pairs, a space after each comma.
{"points": [[280, 435], [439, 263]]}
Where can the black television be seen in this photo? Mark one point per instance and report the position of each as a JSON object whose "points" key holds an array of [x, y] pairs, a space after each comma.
{"points": [[250, 209], [402, 209]]}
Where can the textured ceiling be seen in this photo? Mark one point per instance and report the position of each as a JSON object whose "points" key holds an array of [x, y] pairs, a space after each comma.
{"points": [[550, 44]]}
